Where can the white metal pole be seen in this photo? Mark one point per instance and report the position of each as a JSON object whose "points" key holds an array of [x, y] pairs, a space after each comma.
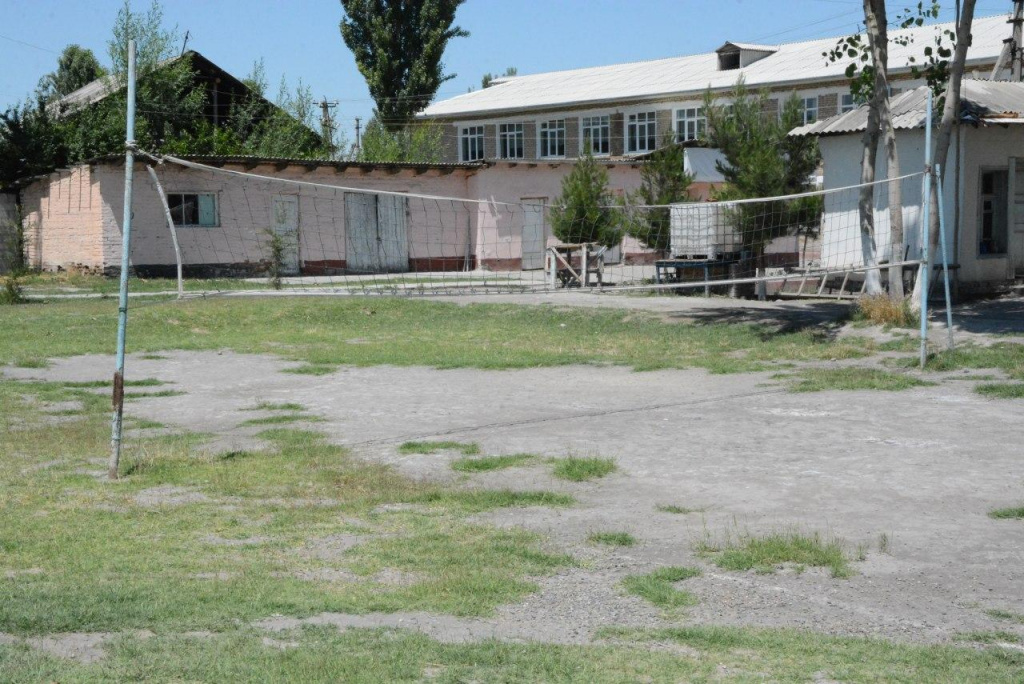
{"points": [[170, 226], [924, 231], [945, 264], [126, 249]]}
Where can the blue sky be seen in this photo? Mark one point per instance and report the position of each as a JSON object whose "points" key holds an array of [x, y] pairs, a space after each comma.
{"points": [[300, 38]]}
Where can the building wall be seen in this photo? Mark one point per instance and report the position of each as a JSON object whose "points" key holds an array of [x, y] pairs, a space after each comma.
{"points": [[986, 147], [62, 221], [241, 241]]}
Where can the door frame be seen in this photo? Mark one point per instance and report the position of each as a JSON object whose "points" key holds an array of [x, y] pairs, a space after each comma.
{"points": [[294, 199], [544, 232]]}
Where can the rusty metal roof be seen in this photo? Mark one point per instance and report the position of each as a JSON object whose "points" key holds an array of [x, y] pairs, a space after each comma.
{"points": [[980, 102]]}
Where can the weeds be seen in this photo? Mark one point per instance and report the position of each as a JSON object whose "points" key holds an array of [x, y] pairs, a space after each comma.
{"points": [[883, 310], [612, 538], [11, 292], [1007, 615], [578, 469], [1002, 390], [464, 448], [769, 552], [679, 510], [488, 463], [657, 587], [1015, 513], [824, 379]]}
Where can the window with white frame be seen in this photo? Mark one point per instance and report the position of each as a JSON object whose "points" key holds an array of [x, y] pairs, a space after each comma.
{"points": [[690, 123], [551, 136], [809, 107], [993, 207], [642, 132], [847, 103], [471, 143], [511, 141], [596, 131], [193, 209]]}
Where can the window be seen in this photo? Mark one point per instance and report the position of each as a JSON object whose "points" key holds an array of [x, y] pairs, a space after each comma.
{"points": [[847, 104], [993, 201], [193, 209], [552, 138], [596, 131], [809, 107], [471, 144], [642, 132], [510, 141], [690, 123]]}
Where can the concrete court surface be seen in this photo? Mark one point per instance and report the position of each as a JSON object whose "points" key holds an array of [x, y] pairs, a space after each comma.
{"points": [[922, 467]]}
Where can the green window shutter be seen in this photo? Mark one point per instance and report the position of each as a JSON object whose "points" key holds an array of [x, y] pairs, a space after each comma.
{"points": [[207, 210]]}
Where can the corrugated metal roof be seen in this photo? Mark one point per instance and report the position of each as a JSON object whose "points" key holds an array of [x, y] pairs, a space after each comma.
{"points": [[749, 46], [690, 76], [988, 101]]}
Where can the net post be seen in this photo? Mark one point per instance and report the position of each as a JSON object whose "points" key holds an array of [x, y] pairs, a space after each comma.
{"points": [[170, 226], [945, 267], [925, 229], [126, 237]]}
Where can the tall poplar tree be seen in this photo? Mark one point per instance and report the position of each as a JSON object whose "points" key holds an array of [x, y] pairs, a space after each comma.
{"points": [[398, 46]]}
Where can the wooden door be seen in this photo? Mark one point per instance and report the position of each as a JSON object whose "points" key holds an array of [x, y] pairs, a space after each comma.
{"points": [[534, 236], [285, 225]]}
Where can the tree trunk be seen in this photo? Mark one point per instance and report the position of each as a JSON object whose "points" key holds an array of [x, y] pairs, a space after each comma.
{"points": [[866, 203], [944, 135], [880, 58]]}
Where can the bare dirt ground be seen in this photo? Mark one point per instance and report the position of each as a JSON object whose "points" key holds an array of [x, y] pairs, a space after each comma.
{"points": [[922, 466]]}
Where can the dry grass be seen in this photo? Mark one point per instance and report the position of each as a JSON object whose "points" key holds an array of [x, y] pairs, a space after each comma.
{"points": [[883, 310]]}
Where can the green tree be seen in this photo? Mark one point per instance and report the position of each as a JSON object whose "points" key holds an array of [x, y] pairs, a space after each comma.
{"points": [[76, 67], [663, 180], [762, 160], [30, 143], [415, 143], [488, 78], [584, 212], [398, 46]]}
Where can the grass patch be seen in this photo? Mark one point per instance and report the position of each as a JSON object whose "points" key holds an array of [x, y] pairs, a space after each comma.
{"points": [[311, 369], [769, 552], [885, 311], [678, 510], [657, 587], [324, 654], [138, 555], [406, 332], [100, 384], [1005, 356], [824, 379], [282, 419], [989, 637], [479, 500], [271, 406], [145, 424], [489, 463], [1007, 615], [612, 538], [580, 468], [1013, 513], [129, 396], [464, 448], [1002, 390]]}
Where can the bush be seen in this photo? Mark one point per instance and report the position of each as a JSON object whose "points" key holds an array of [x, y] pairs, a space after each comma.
{"points": [[11, 292], [583, 212]]}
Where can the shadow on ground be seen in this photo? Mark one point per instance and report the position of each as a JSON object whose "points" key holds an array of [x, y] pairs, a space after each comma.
{"points": [[817, 315], [1003, 316]]}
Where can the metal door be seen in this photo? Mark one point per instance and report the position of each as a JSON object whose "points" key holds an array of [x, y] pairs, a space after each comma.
{"points": [[376, 233], [285, 211], [534, 237]]}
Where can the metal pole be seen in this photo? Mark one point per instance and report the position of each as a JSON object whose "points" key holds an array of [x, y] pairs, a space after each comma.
{"points": [[923, 232], [170, 226], [126, 248], [945, 265]]}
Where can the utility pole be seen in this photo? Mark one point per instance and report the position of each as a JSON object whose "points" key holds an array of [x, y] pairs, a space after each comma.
{"points": [[1015, 46], [359, 144], [327, 124]]}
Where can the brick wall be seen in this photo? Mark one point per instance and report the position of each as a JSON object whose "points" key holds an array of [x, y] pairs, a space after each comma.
{"points": [[828, 105], [618, 128], [62, 221], [449, 143], [572, 137], [664, 118], [490, 141], [530, 139]]}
